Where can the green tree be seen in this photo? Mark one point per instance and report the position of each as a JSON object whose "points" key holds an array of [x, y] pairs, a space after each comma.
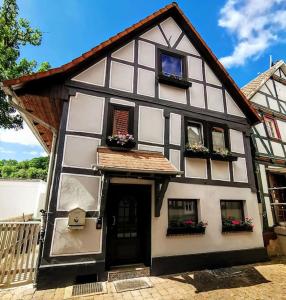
{"points": [[15, 32]]}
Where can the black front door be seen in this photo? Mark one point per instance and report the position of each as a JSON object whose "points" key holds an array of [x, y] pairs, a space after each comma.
{"points": [[128, 224]]}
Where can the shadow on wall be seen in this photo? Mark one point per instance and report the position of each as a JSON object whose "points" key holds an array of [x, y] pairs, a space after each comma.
{"points": [[225, 278]]}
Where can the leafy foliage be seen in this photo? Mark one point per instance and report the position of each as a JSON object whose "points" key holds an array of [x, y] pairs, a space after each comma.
{"points": [[36, 168], [15, 33]]}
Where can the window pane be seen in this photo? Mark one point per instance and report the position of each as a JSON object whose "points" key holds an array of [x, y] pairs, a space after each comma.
{"points": [[195, 134], [232, 209], [120, 121], [218, 139], [182, 213], [271, 128], [171, 65]]}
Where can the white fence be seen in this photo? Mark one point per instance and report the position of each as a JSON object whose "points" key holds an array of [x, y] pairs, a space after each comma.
{"points": [[18, 252]]}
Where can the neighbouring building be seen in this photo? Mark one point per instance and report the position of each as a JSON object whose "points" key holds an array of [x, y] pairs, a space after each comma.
{"points": [[150, 139], [267, 94]]}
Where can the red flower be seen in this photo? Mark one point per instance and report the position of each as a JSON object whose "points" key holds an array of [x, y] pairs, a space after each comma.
{"points": [[235, 222], [189, 222]]}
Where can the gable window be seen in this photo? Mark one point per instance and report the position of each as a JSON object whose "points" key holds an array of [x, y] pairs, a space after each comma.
{"points": [[218, 139], [172, 69], [272, 127], [171, 65], [195, 134]]}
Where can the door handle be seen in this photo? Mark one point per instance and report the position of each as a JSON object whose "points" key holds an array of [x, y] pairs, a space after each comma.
{"points": [[113, 220]]}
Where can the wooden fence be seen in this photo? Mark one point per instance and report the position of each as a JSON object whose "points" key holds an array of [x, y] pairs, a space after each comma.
{"points": [[19, 243]]}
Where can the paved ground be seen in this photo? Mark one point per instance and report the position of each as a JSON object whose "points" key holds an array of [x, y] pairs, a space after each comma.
{"points": [[258, 281]]}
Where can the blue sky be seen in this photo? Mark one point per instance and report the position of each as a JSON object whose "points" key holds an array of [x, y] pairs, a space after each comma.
{"points": [[242, 33]]}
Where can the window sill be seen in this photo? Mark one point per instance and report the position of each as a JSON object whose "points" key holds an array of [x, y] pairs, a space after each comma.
{"points": [[244, 228], [190, 153], [229, 157], [181, 83], [185, 230], [118, 147]]}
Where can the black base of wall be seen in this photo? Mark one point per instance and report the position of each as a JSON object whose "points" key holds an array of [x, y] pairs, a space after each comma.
{"points": [[184, 263], [64, 275]]}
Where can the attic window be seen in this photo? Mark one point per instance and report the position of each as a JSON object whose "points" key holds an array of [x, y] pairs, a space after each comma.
{"points": [[272, 127], [172, 69], [218, 139]]}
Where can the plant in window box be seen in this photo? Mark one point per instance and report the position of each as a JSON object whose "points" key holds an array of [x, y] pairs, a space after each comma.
{"points": [[121, 141], [196, 150], [231, 224], [174, 79], [223, 154], [187, 227]]}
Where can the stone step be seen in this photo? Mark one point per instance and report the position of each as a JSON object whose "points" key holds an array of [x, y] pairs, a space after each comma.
{"points": [[128, 272]]}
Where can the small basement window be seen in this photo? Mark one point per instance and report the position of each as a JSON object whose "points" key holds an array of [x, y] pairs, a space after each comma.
{"points": [[272, 127]]}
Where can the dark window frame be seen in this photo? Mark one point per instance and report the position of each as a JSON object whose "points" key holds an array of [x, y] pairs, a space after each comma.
{"points": [[184, 200], [226, 135], [203, 126], [237, 201], [111, 108], [277, 131], [181, 82]]}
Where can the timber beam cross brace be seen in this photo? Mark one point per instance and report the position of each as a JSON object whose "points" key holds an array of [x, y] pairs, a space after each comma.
{"points": [[160, 190], [104, 191]]}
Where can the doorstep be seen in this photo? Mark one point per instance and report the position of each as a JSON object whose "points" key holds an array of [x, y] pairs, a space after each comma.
{"points": [[128, 272]]}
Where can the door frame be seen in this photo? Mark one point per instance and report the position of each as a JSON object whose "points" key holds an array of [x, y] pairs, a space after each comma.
{"points": [[148, 230]]}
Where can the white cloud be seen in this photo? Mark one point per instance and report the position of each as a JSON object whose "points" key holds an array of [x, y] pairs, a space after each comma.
{"points": [[22, 136], [5, 151], [255, 25]]}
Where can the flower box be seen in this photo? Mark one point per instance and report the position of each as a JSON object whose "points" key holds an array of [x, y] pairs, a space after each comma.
{"points": [[221, 157], [175, 81], [121, 142], [235, 228], [198, 154], [186, 230]]}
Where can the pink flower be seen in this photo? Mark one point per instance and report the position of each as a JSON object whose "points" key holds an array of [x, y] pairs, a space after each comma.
{"points": [[189, 222], [235, 222]]}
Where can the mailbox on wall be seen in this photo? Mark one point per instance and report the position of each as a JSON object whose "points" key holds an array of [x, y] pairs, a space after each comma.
{"points": [[76, 218]]}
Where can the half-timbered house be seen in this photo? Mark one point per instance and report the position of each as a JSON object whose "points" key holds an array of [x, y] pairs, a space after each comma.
{"points": [[267, 94], [150, 140]]}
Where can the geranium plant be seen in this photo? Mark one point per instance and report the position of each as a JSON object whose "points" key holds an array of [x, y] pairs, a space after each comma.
{"points": [[233, 224], [187, 227], [197, 147], [222, 151], [121, 140]]}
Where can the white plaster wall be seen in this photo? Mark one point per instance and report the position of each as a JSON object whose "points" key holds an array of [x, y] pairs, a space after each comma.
{"points": [[93, 75], [209, 206], [220, 170], [175, 129], [273, 104], [80, 152], [196, 168], [260, 129], [171, 30], [195, 68], [281, 90], [151, 125], [18, 197], [186, 46], [78, 191], [260, 146], [67, 241], [121, 77], [175, 158], [259, 99], [215, 99], [282, 129], [150, 148], [146, 54], [197, 95], [211, 77], [154, 35], [85, 113], [146, 82], [174, 94], [232, 107], [122, 102], [270, 86], [277, 149], [236, 141], [240, 170], [125, 53]]}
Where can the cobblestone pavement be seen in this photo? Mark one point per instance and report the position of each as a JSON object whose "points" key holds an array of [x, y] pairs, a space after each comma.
{"points": [[257, 281]]}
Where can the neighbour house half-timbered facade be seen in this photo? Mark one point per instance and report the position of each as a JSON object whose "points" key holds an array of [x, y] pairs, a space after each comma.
{"points": [[151, 142], [267, 94]]}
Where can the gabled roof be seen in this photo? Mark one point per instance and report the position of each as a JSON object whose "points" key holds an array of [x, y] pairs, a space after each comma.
{"points": [[22, 85], [250, 89]]}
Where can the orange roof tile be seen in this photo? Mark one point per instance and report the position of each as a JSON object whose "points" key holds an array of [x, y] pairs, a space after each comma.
{"points": [[134, 161]]}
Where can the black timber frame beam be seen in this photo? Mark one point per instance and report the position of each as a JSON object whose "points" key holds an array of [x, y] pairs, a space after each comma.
{"points": [[105, 186], [160, 190]]}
